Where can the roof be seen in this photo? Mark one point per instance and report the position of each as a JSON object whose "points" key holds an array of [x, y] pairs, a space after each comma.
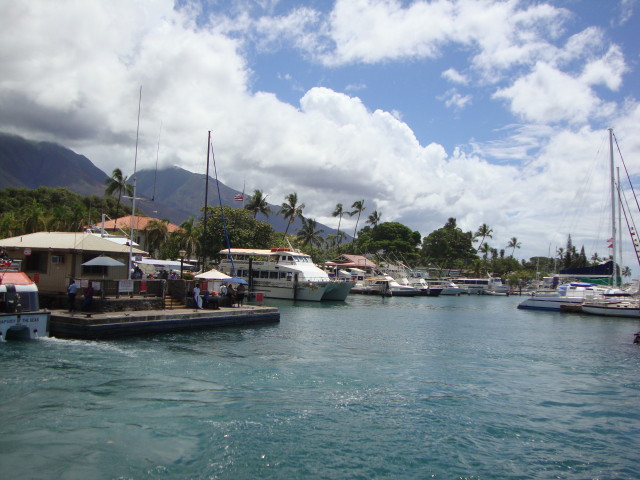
{"points": [[16, 278], [140, 223], [351, 261], [67, 241]]}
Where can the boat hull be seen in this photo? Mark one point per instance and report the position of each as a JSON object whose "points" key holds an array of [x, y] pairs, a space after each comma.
{"points": [[309, 292], [617, 309], [337, 291], [549, 303], [24, 326]]}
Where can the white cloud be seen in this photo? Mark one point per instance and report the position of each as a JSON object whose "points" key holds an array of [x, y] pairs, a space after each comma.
{"points": [[453, 99], [550, 95], [454, 76]]}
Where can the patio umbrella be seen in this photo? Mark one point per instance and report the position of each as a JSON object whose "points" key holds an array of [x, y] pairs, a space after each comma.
{"points": [[237, 280], [103, 261], [212, 275]]}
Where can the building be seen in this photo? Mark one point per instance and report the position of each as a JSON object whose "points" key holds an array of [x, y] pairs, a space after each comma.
{"points": [[52, 258]]}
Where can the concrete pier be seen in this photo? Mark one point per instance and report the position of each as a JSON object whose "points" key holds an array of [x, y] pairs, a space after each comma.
{"points": [[96, 326]]}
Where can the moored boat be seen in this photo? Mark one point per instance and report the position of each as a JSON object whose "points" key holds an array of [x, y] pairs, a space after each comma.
{"points": [[283, 273], [20, 314]]}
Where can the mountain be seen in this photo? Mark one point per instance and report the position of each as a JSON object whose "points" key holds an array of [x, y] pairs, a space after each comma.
{"points": [[171, 193], [30, 164]]}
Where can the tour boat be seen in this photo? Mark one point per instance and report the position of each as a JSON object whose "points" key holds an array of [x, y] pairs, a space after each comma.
{"points": [[283, 273]]}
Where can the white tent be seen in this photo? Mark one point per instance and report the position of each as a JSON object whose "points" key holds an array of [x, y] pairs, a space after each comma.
{"points": [[212, 275]]}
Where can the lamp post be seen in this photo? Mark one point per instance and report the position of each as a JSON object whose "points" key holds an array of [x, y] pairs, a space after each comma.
{"points": [[182, 253]]}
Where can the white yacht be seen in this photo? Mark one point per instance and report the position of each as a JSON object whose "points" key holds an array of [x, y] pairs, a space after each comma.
{"points": [[571, 294], [283, 273], [479, 286], [20, 313]]}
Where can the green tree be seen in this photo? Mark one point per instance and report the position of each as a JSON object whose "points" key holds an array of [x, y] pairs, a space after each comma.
{"points": [[290, 210], [484, 231], [309, 234], [189, 238], [513, 244], [358, 207], [339, 212], [157, 234], [33, 217], [258, 204], [449, 246], [374, 219], [118, 183]]}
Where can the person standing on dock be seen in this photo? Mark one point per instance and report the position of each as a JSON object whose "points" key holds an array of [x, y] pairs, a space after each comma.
{"points": [[88, 298], [196, 296], [72, 291]]}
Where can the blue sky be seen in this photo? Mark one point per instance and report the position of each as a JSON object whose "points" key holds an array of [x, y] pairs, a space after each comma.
{"points": [[487, 111]]}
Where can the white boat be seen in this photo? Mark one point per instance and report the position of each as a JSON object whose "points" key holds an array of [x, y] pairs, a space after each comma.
{"points": [[570, 294], [283, 273], [384, 285], [613, 307], [20, 313], [448, 287], [479, 286]]}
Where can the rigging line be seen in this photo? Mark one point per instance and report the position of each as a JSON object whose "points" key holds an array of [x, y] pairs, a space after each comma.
{"points": [[633, 240], [624, 165], [135, 161], [155, 178], [224, 221]]}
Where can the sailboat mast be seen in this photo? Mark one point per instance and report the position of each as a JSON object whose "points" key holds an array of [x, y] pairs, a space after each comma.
{"points": [[614, 240], [206, 202]]}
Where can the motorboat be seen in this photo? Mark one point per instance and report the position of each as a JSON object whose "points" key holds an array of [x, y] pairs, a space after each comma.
{"points": [[283, 273], [570, 294], [20, 314]]}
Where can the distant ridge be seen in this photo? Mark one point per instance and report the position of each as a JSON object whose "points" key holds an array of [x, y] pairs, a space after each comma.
{"points": [[179, 193], [30, 164]]}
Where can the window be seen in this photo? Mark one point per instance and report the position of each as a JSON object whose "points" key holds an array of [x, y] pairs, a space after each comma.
{"points": [[36, 262], [57, 259]]}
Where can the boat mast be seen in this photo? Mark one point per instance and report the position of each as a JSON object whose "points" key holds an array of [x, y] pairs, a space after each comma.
{"points": [[206, 202], [614, 279]]}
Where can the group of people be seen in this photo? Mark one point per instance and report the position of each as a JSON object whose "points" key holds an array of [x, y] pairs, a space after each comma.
{"points": [[212, 299], [72, 292]]}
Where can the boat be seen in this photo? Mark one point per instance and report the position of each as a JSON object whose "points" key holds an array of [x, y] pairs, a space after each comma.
{"points": [[569, 294], [613, 307], [585, 296], [384, 285], [21, 317], [447, 287], [479, 286], [283, 273]]}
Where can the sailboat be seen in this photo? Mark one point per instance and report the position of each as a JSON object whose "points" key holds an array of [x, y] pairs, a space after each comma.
{"points": [[575, 296]]}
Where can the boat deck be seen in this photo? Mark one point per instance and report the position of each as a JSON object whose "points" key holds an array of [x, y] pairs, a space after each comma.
{"points": [[94, 326]]}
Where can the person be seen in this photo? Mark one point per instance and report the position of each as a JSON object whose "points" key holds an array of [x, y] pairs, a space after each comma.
{"points": [[231, 293], [196, 296], [210, 301], [88, 298], [240, 294], [72, 291]]}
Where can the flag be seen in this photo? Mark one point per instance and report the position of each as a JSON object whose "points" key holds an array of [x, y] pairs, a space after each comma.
{"points": [[239, 197], [5, 263]]}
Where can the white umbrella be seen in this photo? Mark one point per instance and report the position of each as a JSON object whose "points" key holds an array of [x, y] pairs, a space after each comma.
{"points": [[103, 261], [212, 275]]}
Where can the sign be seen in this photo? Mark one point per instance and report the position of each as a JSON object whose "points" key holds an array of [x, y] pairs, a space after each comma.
{"points": [[27, 252], [125, 286]]}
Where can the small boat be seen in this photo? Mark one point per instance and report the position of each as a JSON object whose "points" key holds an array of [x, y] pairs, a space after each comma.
{"points": [[611, 307], [20, 314]]}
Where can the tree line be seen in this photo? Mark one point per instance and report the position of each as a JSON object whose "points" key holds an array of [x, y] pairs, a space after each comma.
{"points": [[447, 248]]}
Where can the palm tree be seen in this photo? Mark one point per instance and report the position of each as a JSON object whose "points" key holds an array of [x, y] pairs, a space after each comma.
{"points": [[485, 249], [33, 217], [118, 183], [189, 237], [258, 204], [291, 210], [338, 212], [358, 207], [374, 219], [308, 233], [157, 234], [513, 243], [484, 231]]}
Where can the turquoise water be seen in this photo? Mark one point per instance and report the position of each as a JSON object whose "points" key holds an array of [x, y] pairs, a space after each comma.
{"points": [[398, 388]]}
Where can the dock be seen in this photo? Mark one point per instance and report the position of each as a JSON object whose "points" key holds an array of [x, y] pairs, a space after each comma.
{"points": [[105, 325]]}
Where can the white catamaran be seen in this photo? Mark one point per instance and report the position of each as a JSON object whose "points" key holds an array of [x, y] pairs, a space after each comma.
{"points": [[283, 273]]}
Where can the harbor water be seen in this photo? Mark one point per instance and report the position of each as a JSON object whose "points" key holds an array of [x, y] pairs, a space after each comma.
{"points": [[371, 388]]}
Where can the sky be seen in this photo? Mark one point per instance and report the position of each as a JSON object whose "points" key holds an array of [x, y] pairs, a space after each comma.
{"points": [[488, 111]]}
